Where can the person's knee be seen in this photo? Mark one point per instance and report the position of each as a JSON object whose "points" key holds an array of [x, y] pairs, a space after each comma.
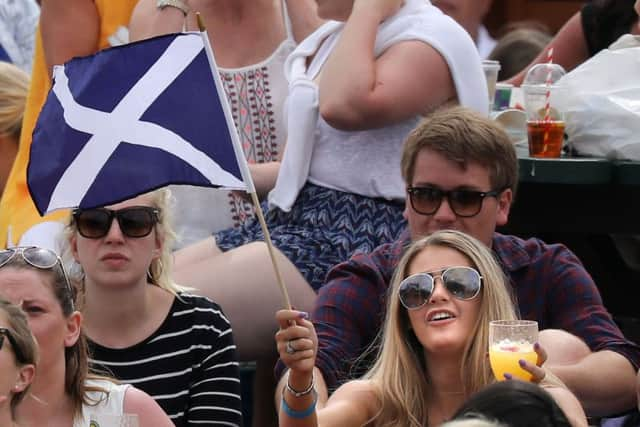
{"points": [[562, 347]]}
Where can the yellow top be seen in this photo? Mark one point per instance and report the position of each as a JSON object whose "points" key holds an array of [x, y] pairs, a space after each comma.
{"points": [[18, 213]]}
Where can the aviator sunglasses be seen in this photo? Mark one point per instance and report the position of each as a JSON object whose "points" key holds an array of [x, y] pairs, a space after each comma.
{"points": [[42, 258], [4, 332], [461, 282], [135, 221], [464, 203]]}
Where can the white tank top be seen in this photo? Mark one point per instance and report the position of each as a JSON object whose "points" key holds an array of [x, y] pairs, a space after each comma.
{"points": [[108, 405], [256, 95]]}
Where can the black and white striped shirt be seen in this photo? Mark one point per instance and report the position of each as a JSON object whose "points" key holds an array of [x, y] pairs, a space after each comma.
{"points": [[188, 365]]}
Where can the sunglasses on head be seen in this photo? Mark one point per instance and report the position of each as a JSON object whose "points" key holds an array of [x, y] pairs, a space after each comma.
{"points": [[42, 258], [464, 203], [4, 332], [461, 282], [135, 221]]}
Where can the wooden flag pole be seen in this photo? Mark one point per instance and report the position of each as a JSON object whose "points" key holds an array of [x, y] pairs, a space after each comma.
{"points": [[242, 161]]}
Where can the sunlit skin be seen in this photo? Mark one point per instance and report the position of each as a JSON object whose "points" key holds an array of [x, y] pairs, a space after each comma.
{"points": [[449, 336], [433, 169]]}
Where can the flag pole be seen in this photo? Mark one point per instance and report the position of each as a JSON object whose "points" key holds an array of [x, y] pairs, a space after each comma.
{"points": [[242, 161]]}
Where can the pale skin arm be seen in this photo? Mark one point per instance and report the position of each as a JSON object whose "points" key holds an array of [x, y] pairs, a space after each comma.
{"points": [[69, 28], [602, 381], [353, 404], [150, 414], [569, 49], [408, 79], [304, 19], [148, 21]]}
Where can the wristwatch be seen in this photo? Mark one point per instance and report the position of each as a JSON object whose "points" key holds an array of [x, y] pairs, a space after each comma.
{"points": [[178, 4]]}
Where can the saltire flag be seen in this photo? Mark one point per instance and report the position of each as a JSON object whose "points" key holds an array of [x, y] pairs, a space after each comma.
{"points": [[130, 119], [4, 56]]}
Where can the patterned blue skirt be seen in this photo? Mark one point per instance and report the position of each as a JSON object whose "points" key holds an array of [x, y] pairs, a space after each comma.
{"points": [[325, 227]]}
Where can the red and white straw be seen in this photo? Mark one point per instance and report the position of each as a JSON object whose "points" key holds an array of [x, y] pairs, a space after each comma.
{"points": [[547, 107]]}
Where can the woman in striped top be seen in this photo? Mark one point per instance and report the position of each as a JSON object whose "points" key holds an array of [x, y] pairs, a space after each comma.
{"points": [[142, 328]]}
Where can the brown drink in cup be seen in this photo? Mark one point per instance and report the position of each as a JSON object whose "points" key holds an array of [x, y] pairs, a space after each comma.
{"points": [[545, 138]]}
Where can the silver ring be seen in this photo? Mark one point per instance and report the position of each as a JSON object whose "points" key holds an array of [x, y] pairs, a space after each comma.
{"points": [[289, 348]]}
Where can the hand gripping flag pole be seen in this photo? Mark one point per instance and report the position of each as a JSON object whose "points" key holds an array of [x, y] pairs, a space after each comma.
{"points": [[242, 161]]}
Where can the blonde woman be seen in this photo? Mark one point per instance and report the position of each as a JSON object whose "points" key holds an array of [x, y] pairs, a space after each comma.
{"points": [[14, 84], [433, 353], [141, 326]]}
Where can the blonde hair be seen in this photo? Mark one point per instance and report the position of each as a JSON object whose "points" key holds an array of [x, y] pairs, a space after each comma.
{"points": [[159, 271], [399, 374], [14, 85]]}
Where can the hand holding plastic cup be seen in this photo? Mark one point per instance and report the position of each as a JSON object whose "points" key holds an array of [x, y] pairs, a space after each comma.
{"points": [[509, 342], [543, 94], [491, 69]]}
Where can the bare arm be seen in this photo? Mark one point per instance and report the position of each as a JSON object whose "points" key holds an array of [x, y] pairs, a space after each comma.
{"points": [[150, 414], [148, 21], [604, 382], [69, 28], [264, 176], [304, 19], [410, 78], [569, 48], [569, 405]]}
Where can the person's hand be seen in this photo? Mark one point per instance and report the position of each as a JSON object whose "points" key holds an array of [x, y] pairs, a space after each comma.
{"points": [[537, 371], [296, 341], [386, 8]]}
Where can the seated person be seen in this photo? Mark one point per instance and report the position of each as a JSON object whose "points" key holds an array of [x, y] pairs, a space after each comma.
{"points": [[515, 403], [65, 393], [598, 24], [338, 190], [461, 173], [517, 48], [433, 344], [141, 327], [470, 14], [18, 359]]}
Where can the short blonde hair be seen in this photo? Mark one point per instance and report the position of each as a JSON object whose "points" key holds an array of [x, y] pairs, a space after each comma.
{"points": [[14, 86]]}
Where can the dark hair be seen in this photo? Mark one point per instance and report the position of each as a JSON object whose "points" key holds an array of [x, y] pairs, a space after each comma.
{"points": [[76, 356], [515, 403], [463, 136], [517, 48], [24, 342]]}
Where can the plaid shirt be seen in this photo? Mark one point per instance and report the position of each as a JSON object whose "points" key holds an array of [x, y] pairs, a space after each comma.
{"points": [[550, 284]]}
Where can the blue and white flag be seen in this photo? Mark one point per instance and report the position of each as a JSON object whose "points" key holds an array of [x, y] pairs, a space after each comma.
{"points": [[131, 119]]}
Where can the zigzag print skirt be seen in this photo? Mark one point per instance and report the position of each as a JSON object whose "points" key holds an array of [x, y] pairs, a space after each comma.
{"points": [[324, 228]]}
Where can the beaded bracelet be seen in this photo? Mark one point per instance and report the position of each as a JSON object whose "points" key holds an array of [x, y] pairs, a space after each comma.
{"points": [[304, 392], [292, 413]]}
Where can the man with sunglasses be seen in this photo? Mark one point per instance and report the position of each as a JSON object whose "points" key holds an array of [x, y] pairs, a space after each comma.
{"points": [[461, 173]]}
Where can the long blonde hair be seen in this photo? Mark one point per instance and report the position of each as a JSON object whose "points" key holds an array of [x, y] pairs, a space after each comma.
{"points": [[400, 374], [159, 271]]}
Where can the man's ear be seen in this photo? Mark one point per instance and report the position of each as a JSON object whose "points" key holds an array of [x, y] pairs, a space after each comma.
{"points": [[504, 206], [74, 323]]}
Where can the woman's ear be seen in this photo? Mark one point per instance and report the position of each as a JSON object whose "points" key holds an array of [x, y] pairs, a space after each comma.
{"points": [[74, 323], [25, 377]]}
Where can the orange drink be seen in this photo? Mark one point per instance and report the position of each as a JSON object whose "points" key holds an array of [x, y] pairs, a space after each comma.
{"points": [[505, 357], [545, 138]]}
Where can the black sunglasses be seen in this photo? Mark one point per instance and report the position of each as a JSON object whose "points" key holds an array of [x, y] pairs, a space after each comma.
{"points": [[135, 221], [4, 332], [42, 258], [462, 282], [464, 203]]}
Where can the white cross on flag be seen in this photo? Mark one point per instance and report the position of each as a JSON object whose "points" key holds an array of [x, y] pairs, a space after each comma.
{"points": [[131, 119]]}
